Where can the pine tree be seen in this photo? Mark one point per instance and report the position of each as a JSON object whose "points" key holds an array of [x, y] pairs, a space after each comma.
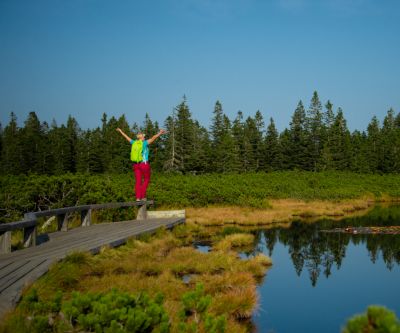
{"points": [[184, 134], [31, 144], [390, 141], [169, 143], [359, 152], [340, 142], [201, 149], [217, 129], [72, 131], [315, 131], [46, 161], [296, 152], [229, 159], [11, 152], [251, 143], [260, 151], [286, 147], [272, 152], [374, 145]]}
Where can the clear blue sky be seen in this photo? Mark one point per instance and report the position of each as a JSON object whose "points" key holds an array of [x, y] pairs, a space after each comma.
{"points": [[86, 57]]}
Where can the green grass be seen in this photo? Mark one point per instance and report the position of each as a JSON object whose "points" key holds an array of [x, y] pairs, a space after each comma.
{"points": [[21, 194], [221, 290]]}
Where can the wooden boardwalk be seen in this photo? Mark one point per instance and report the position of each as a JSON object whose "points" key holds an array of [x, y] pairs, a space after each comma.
{"points": [[20, 268]]}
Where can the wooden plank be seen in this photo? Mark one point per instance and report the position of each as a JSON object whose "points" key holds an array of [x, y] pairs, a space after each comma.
{"points": [[86, 218], [16, 225], [5, 242], [7, 281], [30, 234], [11, 267], [10, 296], [67, 210], [19, 268]]}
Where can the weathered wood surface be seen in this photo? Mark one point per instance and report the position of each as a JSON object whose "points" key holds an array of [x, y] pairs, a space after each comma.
{"points": [[20, 268], [30, 223]]}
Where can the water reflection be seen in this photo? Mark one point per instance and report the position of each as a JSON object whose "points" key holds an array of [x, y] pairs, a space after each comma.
{"points": [[317, 252]]}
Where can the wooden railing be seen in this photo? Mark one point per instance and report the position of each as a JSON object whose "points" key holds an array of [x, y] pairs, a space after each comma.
{"points": [[30, 222]]}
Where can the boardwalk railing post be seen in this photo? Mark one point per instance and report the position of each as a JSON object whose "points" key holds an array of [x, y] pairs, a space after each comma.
{"points": [[62, 220], [5, 242], [30, 233], [86, 218], [142, 212]]}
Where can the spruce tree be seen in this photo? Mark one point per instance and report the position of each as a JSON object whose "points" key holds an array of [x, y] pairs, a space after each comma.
{"points": [[229, 159], [217, 130], [374, 145], [11, 152], [201, 149], [31, 144], [251, 143], [340, 142], [296, 149], [359, 152], [286, 147], [172, 162], [315, 131], [260, 148], [184, 136], [390, 144], [272, 151]]}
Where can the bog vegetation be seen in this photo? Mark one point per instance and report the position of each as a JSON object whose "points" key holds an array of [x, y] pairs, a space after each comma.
{"points": [[154, 284], [316, 139], [24, 193]]}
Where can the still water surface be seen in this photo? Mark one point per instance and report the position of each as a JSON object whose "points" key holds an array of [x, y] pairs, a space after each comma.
{"points": [[319, 280]]}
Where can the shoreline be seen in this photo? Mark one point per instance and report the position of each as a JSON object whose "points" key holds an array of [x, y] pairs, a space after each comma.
{"points": [[283, 211]]}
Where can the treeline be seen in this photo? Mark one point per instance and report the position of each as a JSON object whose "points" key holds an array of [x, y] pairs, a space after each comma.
{"points": [[26, 193], [317, 139]]}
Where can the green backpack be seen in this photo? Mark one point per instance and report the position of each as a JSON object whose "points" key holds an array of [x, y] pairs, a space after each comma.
{"points": [[136, 151]]}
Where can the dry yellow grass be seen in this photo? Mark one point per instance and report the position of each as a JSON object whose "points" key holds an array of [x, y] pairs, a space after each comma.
{"points": [[158, 266], [281, 211], [234, 241]]}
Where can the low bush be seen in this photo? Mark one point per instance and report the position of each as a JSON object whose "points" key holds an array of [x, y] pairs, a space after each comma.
{"points": [[377, 319]]}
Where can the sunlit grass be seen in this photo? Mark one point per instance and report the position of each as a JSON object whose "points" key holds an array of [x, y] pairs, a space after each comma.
{"points": [[281, 211], [158, 265]]}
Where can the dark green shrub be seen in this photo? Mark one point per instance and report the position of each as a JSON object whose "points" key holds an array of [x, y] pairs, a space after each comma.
{"points": [[112, 312], [377, 319], [194, 313]]}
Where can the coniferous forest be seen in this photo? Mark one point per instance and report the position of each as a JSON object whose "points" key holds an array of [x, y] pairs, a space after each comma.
{"points": [[316, 139]]}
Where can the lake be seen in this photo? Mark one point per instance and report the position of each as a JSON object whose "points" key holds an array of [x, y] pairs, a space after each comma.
{"points": [[319, 280]]}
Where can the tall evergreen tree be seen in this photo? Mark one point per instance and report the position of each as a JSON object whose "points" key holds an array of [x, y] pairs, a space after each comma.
{"points": [[185, 136], [340, 143], [315, 129], [296, 143], [170, 156], [252, 140], [31, 144], [11, 152], [259, 153], [218, 131], [359, 152], [201, 149], [390, 144], [272, 152], [229, 159], [374, 145]]}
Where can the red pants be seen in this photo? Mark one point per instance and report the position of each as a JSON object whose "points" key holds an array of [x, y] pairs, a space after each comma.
{"points": [[142, 175]]}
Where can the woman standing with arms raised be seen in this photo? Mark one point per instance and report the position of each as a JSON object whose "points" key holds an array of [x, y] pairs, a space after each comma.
{"points": [[140, 161]]}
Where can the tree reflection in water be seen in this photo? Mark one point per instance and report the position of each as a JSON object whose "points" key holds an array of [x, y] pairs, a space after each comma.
{"points": [[318, 251]]}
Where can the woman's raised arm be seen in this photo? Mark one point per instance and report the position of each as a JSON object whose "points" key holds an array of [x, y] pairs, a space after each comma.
{"points": [[124, 135]]}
